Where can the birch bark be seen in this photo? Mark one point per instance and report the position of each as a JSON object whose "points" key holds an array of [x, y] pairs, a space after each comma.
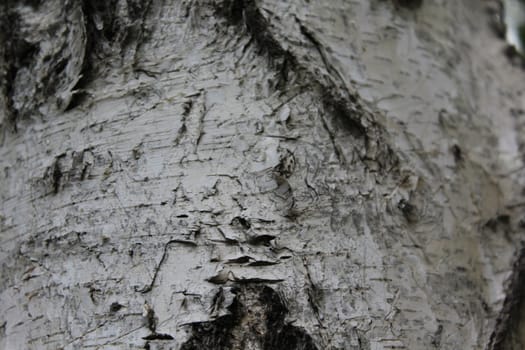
{"points": [[259, 174]]}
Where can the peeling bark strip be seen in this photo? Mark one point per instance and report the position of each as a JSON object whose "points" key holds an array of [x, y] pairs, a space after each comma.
{"points": [[510, 322], [256, 321]]}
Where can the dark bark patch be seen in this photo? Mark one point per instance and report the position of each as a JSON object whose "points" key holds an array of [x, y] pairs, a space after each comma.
{"points": [[500, 221], [114, 307], [256, 319], [510, 319], [56, 176], [345, 116], [242, 222], [457, 153], [436, 338], [409, 210], [261, 240], [40, 62], [16, 53], [411, 4], [286, 164], [68, 168]]}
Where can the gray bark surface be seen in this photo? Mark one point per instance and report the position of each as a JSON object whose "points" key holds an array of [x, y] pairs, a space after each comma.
{"points": [[259, 174]]}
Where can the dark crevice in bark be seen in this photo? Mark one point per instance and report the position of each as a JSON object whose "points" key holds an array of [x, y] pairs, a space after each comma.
{"points": [[246, 12], [345, 106], [108, 32], [17, 53], [56, 177], [411, 4], [67, 168], [256, 319], [38, 64], [242, 222], [510, 319]]}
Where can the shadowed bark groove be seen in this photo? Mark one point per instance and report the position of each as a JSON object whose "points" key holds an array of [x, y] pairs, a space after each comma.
{"points": [[46, 69], [344, 105], [113, 28], [42, 61]]}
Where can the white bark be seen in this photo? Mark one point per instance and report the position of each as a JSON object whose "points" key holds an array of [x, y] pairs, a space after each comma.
{"points": [[259, 175]]}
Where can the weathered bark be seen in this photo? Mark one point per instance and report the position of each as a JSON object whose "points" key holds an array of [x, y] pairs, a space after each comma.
{"points": [[259, 174]]}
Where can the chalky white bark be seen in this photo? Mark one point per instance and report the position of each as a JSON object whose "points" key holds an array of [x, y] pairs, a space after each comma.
{"points": [[360, 160]]}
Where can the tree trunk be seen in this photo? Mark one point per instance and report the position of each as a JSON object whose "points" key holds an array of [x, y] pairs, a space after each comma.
{"points": [[260, 174]]}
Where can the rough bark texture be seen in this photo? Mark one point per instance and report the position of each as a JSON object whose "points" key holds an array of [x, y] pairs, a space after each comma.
{"points": [[260, 174]]}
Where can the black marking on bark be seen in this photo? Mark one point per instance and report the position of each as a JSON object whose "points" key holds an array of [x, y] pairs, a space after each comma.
{"points": [[436, 338], [66, 168], [509, 319], [114, 307], [457, 153], [158, 336], [186, 107], [502, 220], [261, 240], [240, 221], [286, 164], [256, 316], [93, 291], [256, 280], [240, 260], [56, 176], [263, 263], [409, 210], [200, 127]]}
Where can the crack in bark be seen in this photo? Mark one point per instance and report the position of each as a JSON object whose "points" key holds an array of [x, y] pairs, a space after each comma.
{"points": [[148, 288]]}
